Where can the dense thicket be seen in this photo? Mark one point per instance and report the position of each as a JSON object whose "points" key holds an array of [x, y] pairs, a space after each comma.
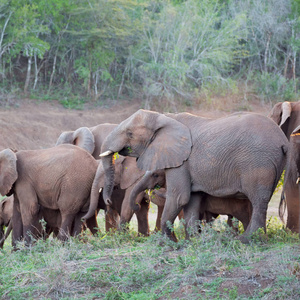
{"points": [[155, 49]]}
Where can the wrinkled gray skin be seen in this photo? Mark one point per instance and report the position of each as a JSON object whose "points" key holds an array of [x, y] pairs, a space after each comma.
{"points": [[119, 212], [243, 153], [211, 206], [287, 116], [58, 178]]}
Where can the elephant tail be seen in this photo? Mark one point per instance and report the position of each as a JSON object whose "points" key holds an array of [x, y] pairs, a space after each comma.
{"points": [[282, 206]]}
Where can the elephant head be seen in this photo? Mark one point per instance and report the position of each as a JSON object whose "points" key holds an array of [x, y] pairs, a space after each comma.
{"points": [[126, 174], [149, 181], [286, 115], [8, 171], [82, 137], [158, 142]]}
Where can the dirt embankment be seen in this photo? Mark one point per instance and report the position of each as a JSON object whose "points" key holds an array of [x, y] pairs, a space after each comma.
{"points": [[31, 124]]}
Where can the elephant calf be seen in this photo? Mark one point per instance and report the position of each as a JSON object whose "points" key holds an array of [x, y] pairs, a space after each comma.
{"points": [[211, 206]]}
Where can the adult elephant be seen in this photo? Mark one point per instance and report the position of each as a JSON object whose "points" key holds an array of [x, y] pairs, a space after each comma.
{"points": [[119, 213], [211, 207], [287, 116], [243, 153], [58, 178]]}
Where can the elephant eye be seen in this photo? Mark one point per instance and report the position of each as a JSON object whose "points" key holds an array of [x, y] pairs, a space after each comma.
{"points": [[155, 175], [130, 134]]}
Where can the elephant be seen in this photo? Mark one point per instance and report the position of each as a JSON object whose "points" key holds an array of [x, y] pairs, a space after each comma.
{"points": [[287, 116], [240, 154], [125, 177], [89, 138], [119, 212], [6, 211], [211, 206], [58, 178]]}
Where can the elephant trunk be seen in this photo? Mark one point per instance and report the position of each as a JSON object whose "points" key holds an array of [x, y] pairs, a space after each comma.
{"points": [[141, 186], [95, 191], [109, 175]]}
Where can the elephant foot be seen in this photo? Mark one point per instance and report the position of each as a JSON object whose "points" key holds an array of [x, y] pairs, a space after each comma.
{"points": [[244, 239]]}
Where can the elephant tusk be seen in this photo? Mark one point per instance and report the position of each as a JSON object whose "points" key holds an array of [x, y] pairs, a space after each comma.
{"points": [[106, 153], [298, 179], [100, 190]]}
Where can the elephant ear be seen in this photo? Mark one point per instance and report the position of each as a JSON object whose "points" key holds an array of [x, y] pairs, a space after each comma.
{"points": [[130, 173], [8, 170], [281, 112], [169, 147]]}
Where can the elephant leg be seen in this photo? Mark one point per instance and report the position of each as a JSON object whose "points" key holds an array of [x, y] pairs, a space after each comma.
{"points": [[126, 211], [29, 209], [160, 210], [92, 225], [231, 224], [17, 231], [293, 206], [112, 219], [142, 218], [66, 226], [191, 215], [77, 226], [178, 183], [258, 218]]}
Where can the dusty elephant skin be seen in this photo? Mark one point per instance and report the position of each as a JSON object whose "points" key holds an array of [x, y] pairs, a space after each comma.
{"points": [[58, 178], [211, 206], [220, 157], [287, 116], [119, 212]]}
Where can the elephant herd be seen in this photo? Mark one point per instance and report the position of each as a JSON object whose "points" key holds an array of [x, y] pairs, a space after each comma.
{"points": [[203, 167]]}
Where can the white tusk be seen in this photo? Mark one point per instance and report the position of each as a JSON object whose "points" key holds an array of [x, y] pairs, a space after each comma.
{"points": [[106, 153], [100, 190], [297, 180]]}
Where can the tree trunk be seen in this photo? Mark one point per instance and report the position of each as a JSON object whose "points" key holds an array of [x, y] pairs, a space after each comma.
{"points": [[27, 81]]}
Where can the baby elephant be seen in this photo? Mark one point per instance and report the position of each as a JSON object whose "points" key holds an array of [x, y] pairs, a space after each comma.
{"points": [[211, 206]]}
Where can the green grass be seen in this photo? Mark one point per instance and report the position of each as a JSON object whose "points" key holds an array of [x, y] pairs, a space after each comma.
{"points": [[212, 265]]}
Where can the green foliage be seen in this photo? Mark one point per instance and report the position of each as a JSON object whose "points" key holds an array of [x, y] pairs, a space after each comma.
{"points": [[171, 51], [274, 87]]}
